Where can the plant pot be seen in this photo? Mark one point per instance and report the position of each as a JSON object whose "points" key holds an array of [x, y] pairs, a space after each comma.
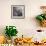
{"points": [[43, 23], [9, 41], [13, 38]]}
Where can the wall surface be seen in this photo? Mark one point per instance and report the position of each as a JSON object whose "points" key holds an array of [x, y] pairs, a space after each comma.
{"points": [[27, 26]]}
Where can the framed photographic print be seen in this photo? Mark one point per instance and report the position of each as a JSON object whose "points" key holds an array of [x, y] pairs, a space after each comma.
{"points": [[17, 11]]}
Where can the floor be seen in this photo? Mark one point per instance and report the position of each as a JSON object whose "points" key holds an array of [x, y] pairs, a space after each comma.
{"points": [[30, 45]]}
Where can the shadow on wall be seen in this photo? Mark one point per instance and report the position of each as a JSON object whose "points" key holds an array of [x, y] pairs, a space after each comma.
{"points": [[34, 22]]}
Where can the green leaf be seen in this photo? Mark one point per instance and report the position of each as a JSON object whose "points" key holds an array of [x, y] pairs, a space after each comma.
{"points": [[10, 31], [40, 18], [45, 16]]}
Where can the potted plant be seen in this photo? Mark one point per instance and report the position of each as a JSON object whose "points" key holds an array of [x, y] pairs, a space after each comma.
{"points": [[42, 17], [10, 31]]}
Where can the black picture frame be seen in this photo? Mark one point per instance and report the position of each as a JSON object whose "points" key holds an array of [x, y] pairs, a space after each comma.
{"points": [[17, 11]]}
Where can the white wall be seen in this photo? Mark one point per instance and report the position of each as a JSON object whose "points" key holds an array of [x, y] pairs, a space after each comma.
{"points": [[25, 26]]}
